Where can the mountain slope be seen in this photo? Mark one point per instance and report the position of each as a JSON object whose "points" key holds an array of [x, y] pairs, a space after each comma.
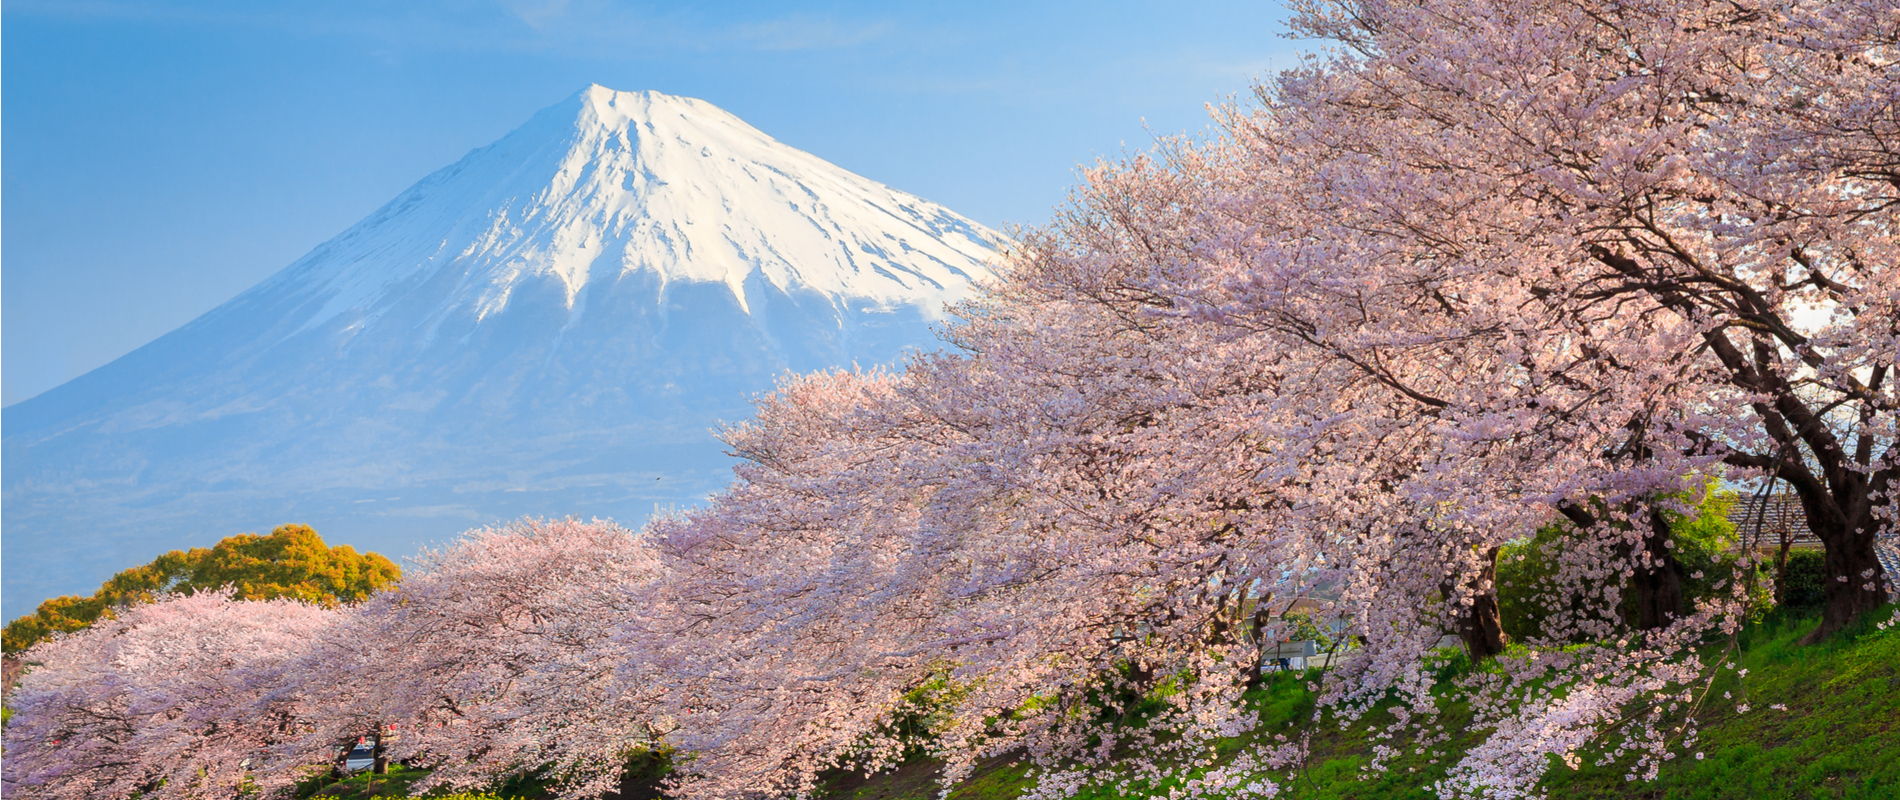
{"points": [[550, 325]]}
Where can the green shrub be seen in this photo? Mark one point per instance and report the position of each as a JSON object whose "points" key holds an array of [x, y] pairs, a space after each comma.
{"points": [[1526, 576], [1801, 588]]}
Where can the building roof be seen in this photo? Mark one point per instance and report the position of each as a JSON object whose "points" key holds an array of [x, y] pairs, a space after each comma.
{"points": [[1777, 515]]}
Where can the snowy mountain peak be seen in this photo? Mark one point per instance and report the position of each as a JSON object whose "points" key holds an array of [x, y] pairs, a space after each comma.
{"points": [[615, 109], [609, 183], [551, 325]]}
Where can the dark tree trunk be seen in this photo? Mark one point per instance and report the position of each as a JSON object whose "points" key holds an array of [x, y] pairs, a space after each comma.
{"points": [[1853, 582], [643, 778], [1262, 616], [379, 753], [1847, 600], [340, 766], [1480, 625], [1656, 586], [1781, 562], [1656, 582], [637, 785]]}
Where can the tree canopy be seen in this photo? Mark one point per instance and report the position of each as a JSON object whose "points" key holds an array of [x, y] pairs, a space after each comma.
{"points": [[291, 562]]}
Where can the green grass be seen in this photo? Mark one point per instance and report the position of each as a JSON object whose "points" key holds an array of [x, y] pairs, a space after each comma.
{"points": [[392, 786], [1838, 738]]}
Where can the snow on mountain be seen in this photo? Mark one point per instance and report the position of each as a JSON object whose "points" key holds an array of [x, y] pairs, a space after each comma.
{"points": [[551, 325]]}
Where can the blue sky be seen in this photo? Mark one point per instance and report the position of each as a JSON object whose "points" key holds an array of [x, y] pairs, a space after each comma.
{"points": [[161, 156]]}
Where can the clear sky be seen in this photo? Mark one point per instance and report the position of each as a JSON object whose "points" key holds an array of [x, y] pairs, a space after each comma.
{"points": [[161, 156]]}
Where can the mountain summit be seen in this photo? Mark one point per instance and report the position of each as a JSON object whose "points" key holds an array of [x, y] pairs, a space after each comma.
{"points": [[610, 183], [551, 325]]}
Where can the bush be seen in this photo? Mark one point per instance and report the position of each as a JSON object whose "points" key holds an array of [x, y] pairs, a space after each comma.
{"points": [[1801, 587], [1526, 574]]}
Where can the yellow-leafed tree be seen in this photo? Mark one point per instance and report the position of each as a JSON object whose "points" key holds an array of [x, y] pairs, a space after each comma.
{"points": [[291, 562]]}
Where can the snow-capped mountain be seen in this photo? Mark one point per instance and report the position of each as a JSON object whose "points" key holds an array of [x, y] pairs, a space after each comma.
{"points": [[551, 325]]}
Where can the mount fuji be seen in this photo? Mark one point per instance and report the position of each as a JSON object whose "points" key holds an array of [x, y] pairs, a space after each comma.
{"points": [[551, 325]]}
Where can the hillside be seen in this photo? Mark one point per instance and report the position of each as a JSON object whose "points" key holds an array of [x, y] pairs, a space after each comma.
{"points": [[1839, 737]]}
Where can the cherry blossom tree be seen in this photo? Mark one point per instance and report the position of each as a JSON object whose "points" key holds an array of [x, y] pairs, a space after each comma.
{"points": [[514, 650], [165, 700], [1677, 215]]}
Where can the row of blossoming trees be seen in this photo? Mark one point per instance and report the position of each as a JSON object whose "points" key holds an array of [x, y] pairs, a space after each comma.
{"points": [[1486, 266]]}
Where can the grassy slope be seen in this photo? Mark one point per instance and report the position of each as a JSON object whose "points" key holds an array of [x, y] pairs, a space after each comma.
{"points": [[365, 785], [1838, 738]]}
